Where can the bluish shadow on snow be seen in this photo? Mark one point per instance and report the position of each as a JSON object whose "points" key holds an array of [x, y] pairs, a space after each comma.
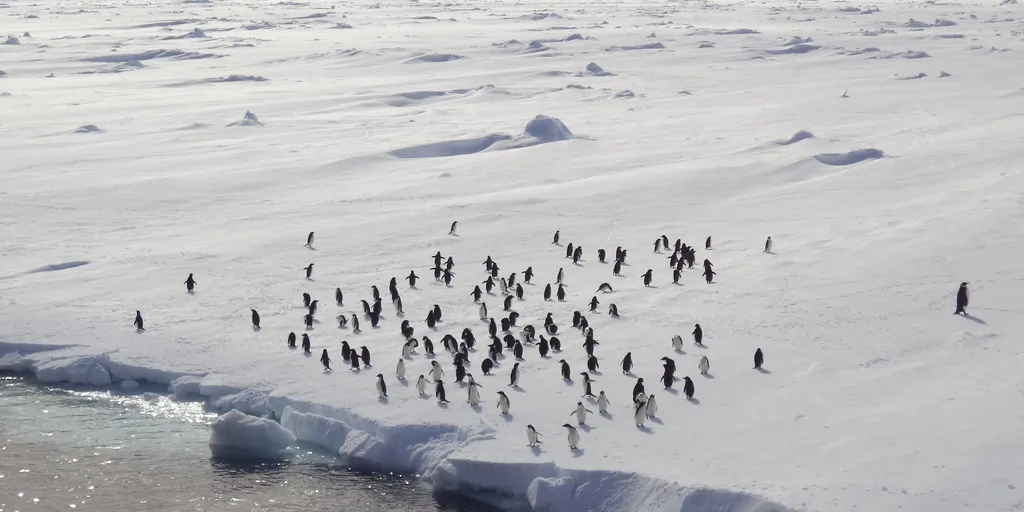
{"points": [[540, 130]]}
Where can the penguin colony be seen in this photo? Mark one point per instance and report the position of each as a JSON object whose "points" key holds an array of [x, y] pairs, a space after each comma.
{"points": [[642, 403]]}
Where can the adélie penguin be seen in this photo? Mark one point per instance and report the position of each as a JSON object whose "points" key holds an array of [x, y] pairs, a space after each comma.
{"points": [[190, 283], [677, 343], [400, 369], [514, 376], [688, 388], [602, 403], [704, 365], [255, 319], [581, 413], [574, 436], [638, 388], [138, 320], [503, 403], [627, 363], [768, 245], [364, 354], [566, 373], [382, 387], [421, 385], [531, 436], [587, 390], [439, 392], [640, 412], [652, 407], [325, 360], [309, 239], [962, 298], [474, 393], [454, 225], [309, 271], [758, 359]]}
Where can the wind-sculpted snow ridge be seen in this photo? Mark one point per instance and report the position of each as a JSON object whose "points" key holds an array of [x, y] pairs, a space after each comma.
{"points": [[153, 54], [432, 450], [540, 130]]}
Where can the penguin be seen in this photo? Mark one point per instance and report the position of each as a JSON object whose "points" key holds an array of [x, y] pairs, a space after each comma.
{"points": [[638, 388], [138, 320], [602, 403], [431, 321], [688, 388], [605, 287], [613, 311], [589, 345], [652, 407], [460, 371], [364, 354], [492, 327], [556, 345], [309, 239], [758, 359], [640, 412], [437, 272], [376, 308], [376, 292], [568, 250], [527, 275], [657, 245], [428, 346], [698, 335], [305, 343], [486, 366], [452, 231], [474, 393], [421, 385], [576, 319], [667, 379], [962, 298], [574, 436], [547, 292], [508, 303], [412, 277], [566, 373], [399, 311], [408, 347], [393, 288], [677, 343], [600, 255], [622, 256], [504, 404], [325, 360], [291, 339], [312, 307], [354, 359], [448, 277], [488, 262], [581, 413], [673, 260], [503, 285], [561, 293], [437, 313], [517, 350], [255, 319], [704, 365], [366, 308], [519, 291], [355, 323], [555, 240], [592, 364], [307, 319], [476, 294], [647, 277], [346, 352], [707, 244], [435, 370], [531, 433], [768, 245], [512, 318], [627, 363], [309, 271], [561, 275], [593, 304], [439, 392], [587, 391], [382, 387], [709, 274], [488, 284], [512, 279], [467, 336], [510, 341], [543, 347], [676, 274], [670, 365], [190, 283], [617, 268], [494, 273], [400, 369], [339, 297], [577, 255], [679, 244]]}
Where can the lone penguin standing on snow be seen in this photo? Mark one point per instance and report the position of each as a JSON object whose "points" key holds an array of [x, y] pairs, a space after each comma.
{"points": [[309, 239], [503, 402], [707, 244], [309, 271], [704, 365], [647, 277], [698, 335], [326, 360], [962, 297], [454, 225], [138, 321], [255, 319], [758, 359], [190, 283], [555, 241], [627, 363], [531, 436], [688, 388], [574, 436], [768, 245], [382, 387]]}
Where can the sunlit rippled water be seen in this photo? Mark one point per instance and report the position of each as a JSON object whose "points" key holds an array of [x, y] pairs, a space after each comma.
{"points": [[93, 450]]}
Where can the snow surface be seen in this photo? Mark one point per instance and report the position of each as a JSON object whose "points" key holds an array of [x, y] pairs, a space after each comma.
{"points": [[216, 155]]}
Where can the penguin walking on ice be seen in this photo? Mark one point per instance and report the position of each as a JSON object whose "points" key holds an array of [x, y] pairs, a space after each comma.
{"points": [[255, 319], [408, 347], [476, 294], [399, 310], [547, 291], [364, 354], [640, 413], [670, 365], [517, 350], [305, 343], [439, 392], [613, 311], [557, 236], [657, 245], [688, 388], [325, 360], [431, 321], [574, 436], [435, 370], [962, 298], [577, 255], [709, 274], [605, 287], [602, 403], [587, 391], [309, 271], [589, 345], [543, 347], [488, 284], [768, 245], [513, 378], [138, 321], [346, 352], [676, 274], [566, 372], [638, 388], [677, 343], [312, 307], [652, 407], [483, 311], [508, 303], [474, 393], [382, 387], [581, 413], [648, 276], [291, 339], [627, 363], [488, 263], [519, 291], [569, 251], [307, 319], [698, 335], [306, 299], [758, 359], [486, 366], [561, 293], [376, 292], [592, 364], [355, 323], [531, 436], [527, 275], [601, 255], [339, 297], [707, 244], [503, 403], [452, 230], [190, 283], [354, 359], [412, 277], [309, 239], [400, 369], [704, 365], [593, 304], [556, 345], [560, 277], [448, 277], [421, 385]]}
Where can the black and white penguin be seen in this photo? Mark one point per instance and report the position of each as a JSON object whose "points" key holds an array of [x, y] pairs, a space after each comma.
{"points": [[492, 328], [503, 403], [589, 344], [408, 347], [568, 250], [513, 378], [657, 245], [576, 319], [412, 277], [376, 292], [366, 308], [305, 343], [354, 359], [547, 291], [600, 255], [560, 277], [555, 240], [613, 311], [511, 279], [704, 365], [758, 359], [652, 407], [307, 319], [627, 363], [439, 392], [556, 345], [531, 436], [309, 271], [707, 244], [255, 319], [605, 287], [421, 385], [670, 365], [393, 288], [449, 263], [688, 388], [543, 347], [437, 313], [325, 360], [768, 245], [709, 274], [962, 298], [376, 308], [452, 230], [505, 325], [473, 392], [400, 369], [638, 388], [566, 372], [593, 304], [677, 343], [617, 268], [488, 284], [698, 335], [517, 350], [488, 263], [339, 297], [486, 366], [460, 370], [592, 364], [398, 306], [382, 387], [309, 239], [364, 354], [577, 255], [574, 436], [435, 371], [448, 277], [139, 324], [648, 276], [355, 323], [519, 291], [291, 339], [190, 283], [513, 317], [561, 293], [428, 346], [676, 274], [312, 307], [467, 336], [476, 294], [673, 260], [346, 351], [587, 390], [431, 321], [640, 411], [581, 413]]}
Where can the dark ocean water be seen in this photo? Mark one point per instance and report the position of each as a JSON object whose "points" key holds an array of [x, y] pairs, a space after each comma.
{"points": [[79, 449]]}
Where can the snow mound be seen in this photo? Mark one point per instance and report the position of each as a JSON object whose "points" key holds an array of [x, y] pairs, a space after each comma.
{"points": [[706, 44], [236, 78], [236, 434], [12, 40], [943, 23], [123, 67], [736, 32], [153, 54], [540, 130], [249, 119], [548, 129], [3, 73], [89, 128], [542, 16], [849, 158], [647, 46], [913, 77], [909, 54], [90, 370], [797, 40], [912, 23], [551, 493], [262, 25], [797, 137], [435, 57], [594, 70], [625, 94], [342, 25], [794, 50], [943, 74], [414, 97], [948, 36]]}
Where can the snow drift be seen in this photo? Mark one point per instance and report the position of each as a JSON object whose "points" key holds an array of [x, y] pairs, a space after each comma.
{"points": [[235, 434], [540, 130]]}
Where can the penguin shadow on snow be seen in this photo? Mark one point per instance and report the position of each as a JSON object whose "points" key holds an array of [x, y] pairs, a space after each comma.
{"points": [[442, 405], [307, 354], [656, 420], [674, 391], [645, 429], [383, 399], [519, 389], [974, 319], [536, 451], [763, 370], [694, 401], [585, 427], [476, 408], [707, 376], [508, 417], [256, 329], [608, 415], [404, 382], [578, 452]]}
